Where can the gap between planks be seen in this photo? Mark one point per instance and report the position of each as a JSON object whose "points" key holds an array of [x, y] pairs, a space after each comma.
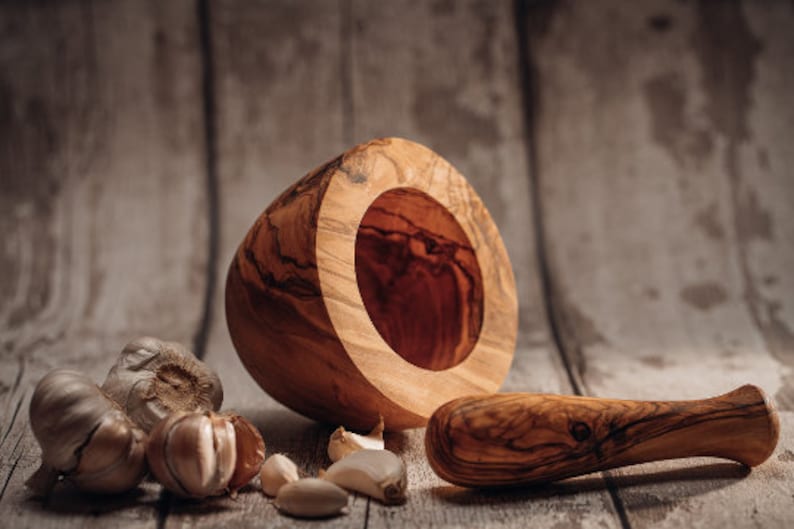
{"points": [[211, 177], [201, 337], [528, 78]]}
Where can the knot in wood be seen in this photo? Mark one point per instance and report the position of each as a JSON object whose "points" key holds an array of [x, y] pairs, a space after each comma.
{"points": [[580, 431]]}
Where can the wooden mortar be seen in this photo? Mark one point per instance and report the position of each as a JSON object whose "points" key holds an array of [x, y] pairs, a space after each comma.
{"points": [[376, 284]]}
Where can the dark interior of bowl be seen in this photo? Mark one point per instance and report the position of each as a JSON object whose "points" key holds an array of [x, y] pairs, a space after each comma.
{"points": [[419, 278]]}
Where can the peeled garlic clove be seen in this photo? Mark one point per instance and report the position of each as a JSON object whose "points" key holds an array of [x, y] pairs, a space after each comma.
{"points": [[376, 473], [152, 379], [343, 443], [277, 471], [311, 498], [193, 454], [250, 448], [84, 436]]}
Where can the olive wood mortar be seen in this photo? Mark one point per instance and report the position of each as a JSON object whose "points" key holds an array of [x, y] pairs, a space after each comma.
{"points": [[377, 284], [522, 438]]}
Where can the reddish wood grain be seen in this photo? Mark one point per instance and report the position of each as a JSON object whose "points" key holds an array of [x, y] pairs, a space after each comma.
{"points": [[407, 246], [515, 438]]}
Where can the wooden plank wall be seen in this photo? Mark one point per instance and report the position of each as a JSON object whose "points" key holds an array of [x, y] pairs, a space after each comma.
{"points": [[667, 224], [636, 157], [104, 225]]}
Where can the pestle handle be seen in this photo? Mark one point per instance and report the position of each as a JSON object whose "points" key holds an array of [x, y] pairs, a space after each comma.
{"points": [[524, 438]]}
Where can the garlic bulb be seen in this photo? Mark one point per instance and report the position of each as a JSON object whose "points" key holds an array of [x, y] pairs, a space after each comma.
{"points": [[84, 435], [277, 471], [311, 498], [204, 454], [152, 379], [343, 443], [376, 473]]}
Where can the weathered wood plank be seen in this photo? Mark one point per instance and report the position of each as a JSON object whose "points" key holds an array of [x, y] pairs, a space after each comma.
{"points": [[763, 188], [103, 213], [278, 114], [451, 82], [661, 133]]}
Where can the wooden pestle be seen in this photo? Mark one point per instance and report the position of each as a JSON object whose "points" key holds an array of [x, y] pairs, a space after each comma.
{"points": [[523, 438]]}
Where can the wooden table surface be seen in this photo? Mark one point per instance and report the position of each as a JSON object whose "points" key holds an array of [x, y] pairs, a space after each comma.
{"points": [[637, 158]]}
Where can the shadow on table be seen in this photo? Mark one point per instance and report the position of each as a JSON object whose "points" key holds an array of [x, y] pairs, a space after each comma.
{"points": [[66, 499], [173, 505], [145, 502], [285, 432], [288, 432], [699, 479]]}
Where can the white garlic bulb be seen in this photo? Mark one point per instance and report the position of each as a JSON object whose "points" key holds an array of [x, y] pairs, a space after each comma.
{"points": [[84, 435], [153, 378], [376, 473], [203, 454], [343, 442], [277, 471], [311, 498]]}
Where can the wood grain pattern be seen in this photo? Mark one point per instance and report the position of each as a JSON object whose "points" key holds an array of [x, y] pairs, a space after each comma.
{"points": [[102, 215], [677, 177], [524, 438], [294, 303]]}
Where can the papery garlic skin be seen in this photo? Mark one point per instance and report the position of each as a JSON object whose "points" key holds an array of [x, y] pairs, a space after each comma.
{"points": [[343, 443], [84, 435], [277, 471], [311, 498], [203, 454], [377, 473], [153, 378], [250, 449]]}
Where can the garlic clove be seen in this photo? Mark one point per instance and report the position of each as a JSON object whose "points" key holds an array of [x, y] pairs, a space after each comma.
{"points": [[250, 450], [225, 451], [84, 436], [114, 460], [204, 454], [108, 443], [201, 454], [343, 442], [277, 471], [193, 454], [157, 450], [376, 473], [65, 408], [153, 378], [311, 498]]}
